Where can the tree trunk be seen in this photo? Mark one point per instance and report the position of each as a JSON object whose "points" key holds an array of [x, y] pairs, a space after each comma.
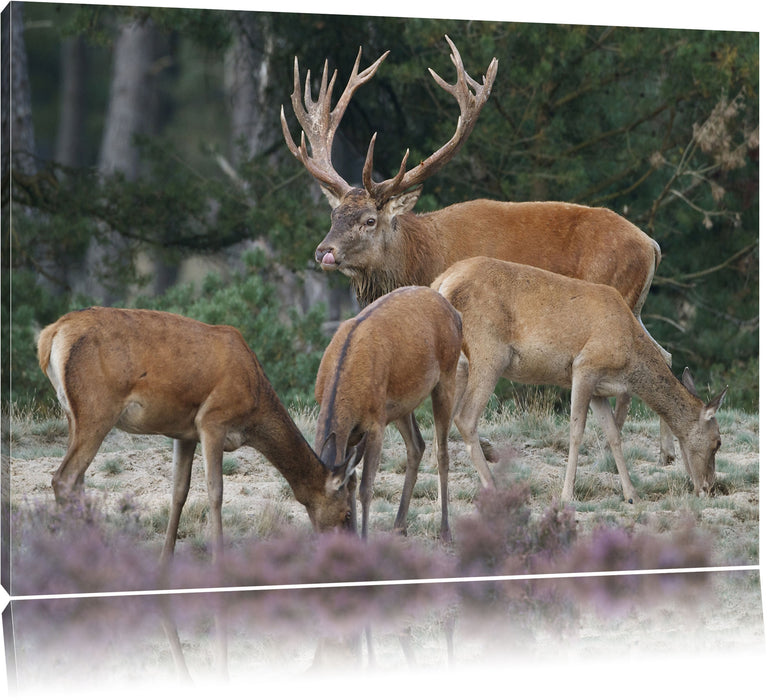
{"points": [[69, 144], [17, 106], [247, 70], [131, 94]]}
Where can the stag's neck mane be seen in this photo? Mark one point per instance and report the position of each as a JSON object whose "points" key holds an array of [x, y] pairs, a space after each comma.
{"points": [[409, 259]]}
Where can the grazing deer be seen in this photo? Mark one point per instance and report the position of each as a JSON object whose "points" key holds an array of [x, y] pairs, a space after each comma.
{"points": [[377, 369], [537, 327], [377, 240], [152, 372]]}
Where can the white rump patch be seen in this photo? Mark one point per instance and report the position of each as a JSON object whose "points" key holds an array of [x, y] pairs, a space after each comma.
{"points": [[56, 370]]}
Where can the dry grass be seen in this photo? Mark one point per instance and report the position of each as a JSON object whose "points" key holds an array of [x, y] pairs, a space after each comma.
{"points": [[531, 442]]}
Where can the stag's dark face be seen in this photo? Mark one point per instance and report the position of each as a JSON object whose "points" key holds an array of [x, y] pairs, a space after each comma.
{"points": [[362, 233], [354, 236]]}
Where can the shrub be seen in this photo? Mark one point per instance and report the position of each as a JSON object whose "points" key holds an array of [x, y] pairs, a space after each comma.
{"points": [[288, 349]]}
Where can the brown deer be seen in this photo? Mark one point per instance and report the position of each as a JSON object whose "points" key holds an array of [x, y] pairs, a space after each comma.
{"points": [[377, 240], [537, 327], [152, 372], [377, 369]]}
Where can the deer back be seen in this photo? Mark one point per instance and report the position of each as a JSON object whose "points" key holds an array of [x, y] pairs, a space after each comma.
{"points": [[592, 244], [169, 364], [383, 363], [540, 322]]}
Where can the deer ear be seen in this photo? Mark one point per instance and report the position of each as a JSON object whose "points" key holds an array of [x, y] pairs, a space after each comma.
{"points": [[333, 199], [403, 203], [688, 382], [328, 453], [341, 473], [354, 455], [710, 409]]}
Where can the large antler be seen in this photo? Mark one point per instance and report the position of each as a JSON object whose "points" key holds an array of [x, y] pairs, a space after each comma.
{"points": [[320, 124], [470, 106]]}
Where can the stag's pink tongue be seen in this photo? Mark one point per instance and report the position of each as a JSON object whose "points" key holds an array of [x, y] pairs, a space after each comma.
{"points": [[328, 259]]}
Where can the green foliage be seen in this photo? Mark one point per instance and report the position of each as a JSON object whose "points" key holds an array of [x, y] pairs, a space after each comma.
{"points": [[661, 125], [289, 344], [22, 311]]}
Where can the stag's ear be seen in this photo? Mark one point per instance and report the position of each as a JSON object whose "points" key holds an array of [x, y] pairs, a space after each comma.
{"points": [[402, 203], [710, 409], [333, 199], [688, 382]]}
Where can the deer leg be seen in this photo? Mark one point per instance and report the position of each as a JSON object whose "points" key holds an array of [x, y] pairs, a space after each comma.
{"points": [[413, 440], [621, 405], [580, 401], [603, 412], [461, 381], [68, 480], [667, 449], [213, 453], [174, 641], [442, 403], [372, 452], [475, 397], [182, 458]]}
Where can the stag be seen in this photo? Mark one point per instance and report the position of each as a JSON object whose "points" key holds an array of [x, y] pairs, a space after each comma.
{"points": [[537, 327], [377, 369], [380, 243], [152, 372]]}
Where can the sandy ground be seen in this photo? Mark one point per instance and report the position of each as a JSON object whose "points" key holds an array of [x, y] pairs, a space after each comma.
{"points": [[140, 468], [725, 628]]}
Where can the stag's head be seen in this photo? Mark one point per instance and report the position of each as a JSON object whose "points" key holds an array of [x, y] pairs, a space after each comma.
{"points": [[364, 218], [699, 446]]}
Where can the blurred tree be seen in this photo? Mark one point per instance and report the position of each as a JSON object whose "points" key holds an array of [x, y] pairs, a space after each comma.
{"points": [[19, 149], [70, 130], [660, 125], [133, 111], [247, 80]]}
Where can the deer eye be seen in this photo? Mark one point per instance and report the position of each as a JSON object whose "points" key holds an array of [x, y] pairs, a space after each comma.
{"points": [[371, 221]]}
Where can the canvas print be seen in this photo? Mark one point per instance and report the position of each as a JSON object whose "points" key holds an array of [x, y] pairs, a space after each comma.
{"points": [[354, 342]]}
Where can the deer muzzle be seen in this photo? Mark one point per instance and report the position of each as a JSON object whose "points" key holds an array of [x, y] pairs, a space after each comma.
{"points": [[326, 258]]}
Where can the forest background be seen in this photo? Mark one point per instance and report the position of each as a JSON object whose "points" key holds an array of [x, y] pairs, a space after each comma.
{"points": [[147, 167]]}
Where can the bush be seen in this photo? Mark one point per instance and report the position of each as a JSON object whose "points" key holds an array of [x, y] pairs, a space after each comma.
{"points": [[289, 349], [26, 309]]}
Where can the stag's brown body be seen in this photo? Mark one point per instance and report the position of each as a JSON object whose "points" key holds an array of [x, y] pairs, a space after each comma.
{"points": [[380, 244], [593, 244], [537, 327], [377, 369], [152, 372]]}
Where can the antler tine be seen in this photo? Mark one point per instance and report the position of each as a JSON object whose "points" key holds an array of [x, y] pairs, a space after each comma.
{"points": [[381, 192], [470, 106], [460, 89], [355, 81], [319, 123]]}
